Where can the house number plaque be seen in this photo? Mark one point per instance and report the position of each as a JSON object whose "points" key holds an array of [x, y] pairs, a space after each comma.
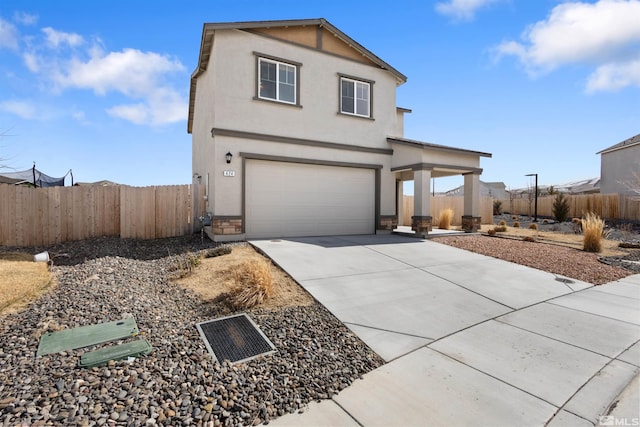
{"points": [[229, 173]]}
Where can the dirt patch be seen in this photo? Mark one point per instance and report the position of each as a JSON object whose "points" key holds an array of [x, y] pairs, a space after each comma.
{"points": [[553, 258], [570, 240], [21, 280], [214, 278]]}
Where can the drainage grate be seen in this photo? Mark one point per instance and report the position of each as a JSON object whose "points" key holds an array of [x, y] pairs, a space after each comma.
{"points": [[563, 280], [235, 338]]}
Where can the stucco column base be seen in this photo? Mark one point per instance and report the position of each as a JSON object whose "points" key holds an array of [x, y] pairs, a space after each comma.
{"points": [[470, 224], [421, 224]]}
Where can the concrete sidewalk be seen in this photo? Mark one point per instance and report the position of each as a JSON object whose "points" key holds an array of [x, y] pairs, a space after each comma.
{"points": [[470, 340]]}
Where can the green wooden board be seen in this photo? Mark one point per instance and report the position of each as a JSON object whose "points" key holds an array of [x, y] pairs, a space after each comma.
{"points": [[84, 336], [115, 352]]}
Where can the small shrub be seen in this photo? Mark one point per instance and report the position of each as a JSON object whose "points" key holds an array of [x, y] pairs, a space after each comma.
{"points": [[503, 222], [219, 251], [545, 221], [500, 228], [528, 239], [593, 228], [183, 265], [560, 207], [514, 217], [491, 232], [627, 227], [516, 224], [533, 226], [444, 220], [577, 225], [497, 207], [254, 284]]}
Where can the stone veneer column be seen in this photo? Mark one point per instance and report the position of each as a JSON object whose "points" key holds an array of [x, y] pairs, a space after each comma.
{"points": [[471, 217]]}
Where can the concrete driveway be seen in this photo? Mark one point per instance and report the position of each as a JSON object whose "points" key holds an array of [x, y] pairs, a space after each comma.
{"points": [[470, 340]]}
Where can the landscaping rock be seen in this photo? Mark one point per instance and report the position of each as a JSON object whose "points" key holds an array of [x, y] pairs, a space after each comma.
{"points": [[179, 383]]}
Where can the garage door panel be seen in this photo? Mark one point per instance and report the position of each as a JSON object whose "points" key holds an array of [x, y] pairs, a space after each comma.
{"points": [[291, 199]]}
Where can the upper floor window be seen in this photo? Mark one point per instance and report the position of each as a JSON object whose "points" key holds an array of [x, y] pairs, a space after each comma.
{"points": [[277, 80], [355, 97]]}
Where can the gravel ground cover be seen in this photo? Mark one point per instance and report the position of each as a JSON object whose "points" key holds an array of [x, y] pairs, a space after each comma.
{"points": [[565, 261], [178, 383]]}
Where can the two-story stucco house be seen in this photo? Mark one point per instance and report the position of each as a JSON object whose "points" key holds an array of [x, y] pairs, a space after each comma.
{"points": [[296, 132], [620, 167]]}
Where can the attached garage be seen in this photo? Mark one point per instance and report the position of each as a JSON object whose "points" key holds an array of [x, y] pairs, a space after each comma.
{"points": [[285, 199]]}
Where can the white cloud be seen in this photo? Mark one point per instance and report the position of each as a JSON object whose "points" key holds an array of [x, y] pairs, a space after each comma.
{"points": [[135, 113], [57, 38], [612, 77], [25, 18], [23, 109], [133, 73], [463, 10], [66, 60], [32, 62], [8, 35], [604, 34], [164, 106]]}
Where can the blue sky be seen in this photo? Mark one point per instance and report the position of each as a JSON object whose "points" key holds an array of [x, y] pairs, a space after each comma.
{"points": [[101, 87]]}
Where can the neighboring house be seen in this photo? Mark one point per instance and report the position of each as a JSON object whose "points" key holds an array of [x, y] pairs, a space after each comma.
{"points": [[295, 132], [497, 190], [620, 167], [585, 186]]}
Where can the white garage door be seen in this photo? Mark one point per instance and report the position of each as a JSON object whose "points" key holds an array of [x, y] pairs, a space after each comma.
{"points": [[293, 199]]}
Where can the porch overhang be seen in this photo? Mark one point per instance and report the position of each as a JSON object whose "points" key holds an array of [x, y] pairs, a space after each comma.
{"points": [[438, 170], [410, 155], [435, 147]]}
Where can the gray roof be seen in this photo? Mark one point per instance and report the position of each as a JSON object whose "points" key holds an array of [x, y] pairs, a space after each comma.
{"points": [[624, 144], [210, 28], [429, 145]]}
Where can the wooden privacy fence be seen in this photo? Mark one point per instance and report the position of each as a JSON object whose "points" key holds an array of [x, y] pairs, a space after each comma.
{"points": [[45, 216], [440, 203], [617, 207]]}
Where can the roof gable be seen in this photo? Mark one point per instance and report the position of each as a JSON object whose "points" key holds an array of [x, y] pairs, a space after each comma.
{"points": [[634, 140], [316, 34]]}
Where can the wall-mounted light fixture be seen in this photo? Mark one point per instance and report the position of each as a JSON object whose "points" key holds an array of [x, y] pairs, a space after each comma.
{"points": [[229, 156], [197, 176]]}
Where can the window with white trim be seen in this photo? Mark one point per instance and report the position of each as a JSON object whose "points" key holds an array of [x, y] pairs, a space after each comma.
{"points": [[277, 80], [355, 97]]}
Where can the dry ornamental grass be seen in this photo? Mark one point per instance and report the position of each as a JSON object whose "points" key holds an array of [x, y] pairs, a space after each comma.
{"points": [[592, 227], [444, 220], [254, 284], [225, 278], [21, 280]]}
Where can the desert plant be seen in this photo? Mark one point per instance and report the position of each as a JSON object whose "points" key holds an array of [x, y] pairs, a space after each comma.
{"points": [[254, 284], [219, 251], [528, 239], [444, 220], [560, 207], [577, 225], [593, 228], [500, 228], [491, 232], [545, 221], [497, 207], [516, 224], [503, 222], [514, 217], [533, 226], [183, 265]]}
